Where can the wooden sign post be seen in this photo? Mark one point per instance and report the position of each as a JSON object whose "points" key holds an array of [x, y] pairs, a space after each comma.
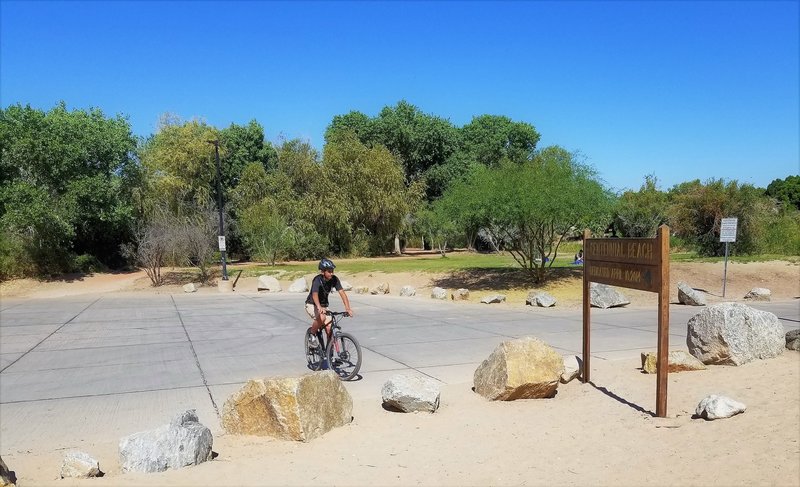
{"points": [[637, 263]]}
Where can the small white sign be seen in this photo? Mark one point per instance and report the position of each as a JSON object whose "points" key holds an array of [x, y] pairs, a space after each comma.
{"points": [[221, 243], [727, 229]]}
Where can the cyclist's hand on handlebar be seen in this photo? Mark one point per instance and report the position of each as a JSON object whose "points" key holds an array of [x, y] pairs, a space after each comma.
{"points": [[349, 312]]}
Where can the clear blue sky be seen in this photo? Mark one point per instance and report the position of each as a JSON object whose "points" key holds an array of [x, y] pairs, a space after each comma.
{"points": [[682, 90]]}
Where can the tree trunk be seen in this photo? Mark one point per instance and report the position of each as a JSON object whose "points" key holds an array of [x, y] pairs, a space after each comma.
{"points": [[397, 244]]}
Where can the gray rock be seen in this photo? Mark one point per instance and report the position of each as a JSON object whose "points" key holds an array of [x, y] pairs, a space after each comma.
{"points": [[734, 334], [541, 299], [408, 291], [602, 296], [182, 442], [382, 288], [793, 339], [299, 286], [494, 298], [190, 288], [758, 294], [690, 296], [346, 285], [78, 464], [718, 407], [268, 283], [573, 368], [460, 295], [438, 293], [411, 393]]}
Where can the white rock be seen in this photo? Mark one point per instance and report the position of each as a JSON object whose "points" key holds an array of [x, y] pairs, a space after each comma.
{"points": [[690, 296], [382, 288], [460, 295], [495, 298], [573, 367], [78, 464], [438, 293], [541, 299], [718, 407], [268, 283], [410, 393], [759, 294], [189, 288], [408, 291], [299, 286], [602, 296], [346, 285]]}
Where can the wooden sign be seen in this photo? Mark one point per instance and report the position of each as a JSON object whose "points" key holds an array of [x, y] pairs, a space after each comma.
{"points": [[636, 263]]}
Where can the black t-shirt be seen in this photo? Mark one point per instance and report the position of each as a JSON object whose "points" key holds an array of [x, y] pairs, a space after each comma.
{"points": [[323, 288]]}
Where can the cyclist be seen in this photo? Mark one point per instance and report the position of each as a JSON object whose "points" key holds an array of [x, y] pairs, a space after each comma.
{"points": [[317, 300]]}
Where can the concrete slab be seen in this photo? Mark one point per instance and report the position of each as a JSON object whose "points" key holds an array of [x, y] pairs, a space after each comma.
{"points": [[130, 362]]}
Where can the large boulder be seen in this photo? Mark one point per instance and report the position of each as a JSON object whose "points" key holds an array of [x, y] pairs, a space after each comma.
{"points": [[602, 296], [690, 296], [734, 334], [411, 393], [7, 477], [525, 368], [290, 408], [268, 283], [793, 339], [718, 407], [438, 293], [541, 299], [758, 294], [78, 464], [678, 361], [182, 442], [299, 286]]}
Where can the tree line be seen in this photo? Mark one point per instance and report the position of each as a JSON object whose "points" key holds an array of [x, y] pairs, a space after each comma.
{"points": [[79, 192]]}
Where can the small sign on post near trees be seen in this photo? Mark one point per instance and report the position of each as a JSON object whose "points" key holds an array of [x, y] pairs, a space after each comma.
{"points": [[727, 233]]}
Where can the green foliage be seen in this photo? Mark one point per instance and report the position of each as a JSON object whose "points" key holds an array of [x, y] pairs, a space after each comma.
{"points": [[436, 226], [786, 191], [531, 207], [639, 214], [490, 139], [14, 260], [780, 233], [697, 209], [244, 145], [265, 232]]}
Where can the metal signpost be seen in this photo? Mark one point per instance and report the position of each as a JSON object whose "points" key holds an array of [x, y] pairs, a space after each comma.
{"points": [[637, 263], [727, 233]]}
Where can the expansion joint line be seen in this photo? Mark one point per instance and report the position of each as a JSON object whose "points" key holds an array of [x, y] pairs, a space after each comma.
{"points": [[196, 360], [51, 334]]}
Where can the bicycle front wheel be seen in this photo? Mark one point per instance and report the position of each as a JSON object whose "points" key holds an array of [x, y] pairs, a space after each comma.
{"points": [[314, 355], [344, 356]]}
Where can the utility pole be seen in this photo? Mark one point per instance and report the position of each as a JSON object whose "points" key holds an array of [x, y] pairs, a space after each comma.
{"points": [[219, 208]]}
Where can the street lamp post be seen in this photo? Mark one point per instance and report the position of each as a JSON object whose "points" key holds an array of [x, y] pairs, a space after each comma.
{"points": [[219, 207]]}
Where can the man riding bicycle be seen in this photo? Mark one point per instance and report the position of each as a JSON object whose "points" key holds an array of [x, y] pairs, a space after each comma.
{"points": [[317, 300]]}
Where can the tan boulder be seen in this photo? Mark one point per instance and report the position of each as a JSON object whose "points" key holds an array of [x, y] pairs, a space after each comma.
{"points": [[525, 368], [679, 361], [7, 479], [290, 408]]}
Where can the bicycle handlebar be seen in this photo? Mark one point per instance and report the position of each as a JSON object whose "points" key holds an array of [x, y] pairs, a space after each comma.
{"points": [[337, 313]]}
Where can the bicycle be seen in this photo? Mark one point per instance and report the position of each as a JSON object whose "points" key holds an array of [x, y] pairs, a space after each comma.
{"points": [[343, 353]]}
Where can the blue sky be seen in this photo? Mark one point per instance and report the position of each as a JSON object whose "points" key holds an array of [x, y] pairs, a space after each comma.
{"points": [[682, 90]]}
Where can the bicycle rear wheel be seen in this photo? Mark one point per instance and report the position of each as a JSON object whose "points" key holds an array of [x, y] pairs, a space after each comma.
{"points": [[344, 356], [314, 355]]}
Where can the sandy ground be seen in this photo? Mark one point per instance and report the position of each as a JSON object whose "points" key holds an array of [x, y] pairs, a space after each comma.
{"points": [[589, 434]]}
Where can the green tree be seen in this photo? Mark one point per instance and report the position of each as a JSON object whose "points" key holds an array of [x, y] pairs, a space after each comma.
{"points": [[531, 207], [367, 185], [787, 190], [490, 139], [265, 232], [77, 170], [697, 209], [243, 145], [639, 213]]}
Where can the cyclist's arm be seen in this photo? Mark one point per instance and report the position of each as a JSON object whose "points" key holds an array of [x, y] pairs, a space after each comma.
{"points": [[315, 298], [346, 302]]}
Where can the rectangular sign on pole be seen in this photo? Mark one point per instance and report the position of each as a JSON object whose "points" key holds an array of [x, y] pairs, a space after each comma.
{"points": [[637, 263], [221, 239], [727, 229]]}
